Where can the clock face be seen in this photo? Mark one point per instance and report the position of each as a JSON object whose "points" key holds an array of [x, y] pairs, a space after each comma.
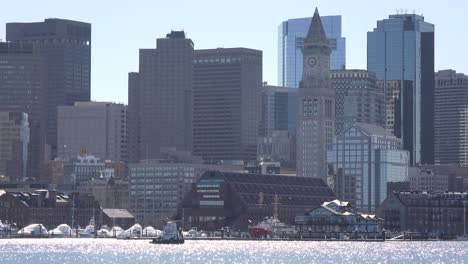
{"points": [[312, 61]]}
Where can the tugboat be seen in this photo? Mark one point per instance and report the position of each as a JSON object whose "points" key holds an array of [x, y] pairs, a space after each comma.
{"points": [[170, 235]]}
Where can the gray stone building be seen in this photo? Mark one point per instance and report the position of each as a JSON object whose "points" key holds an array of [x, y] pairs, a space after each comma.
{"points": [[451, 118], [160, 97], [100, 128], [358, 99], [226, 105], [66, 48], [23, 83], [316, 104], [14, 143]]}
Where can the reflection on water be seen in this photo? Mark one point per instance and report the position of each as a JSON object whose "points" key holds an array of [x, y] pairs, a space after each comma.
{"points": [[128, 251]]}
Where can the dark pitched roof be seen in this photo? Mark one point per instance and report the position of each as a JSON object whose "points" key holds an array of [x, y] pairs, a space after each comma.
{"points": [[316, 33], [292, 191]]}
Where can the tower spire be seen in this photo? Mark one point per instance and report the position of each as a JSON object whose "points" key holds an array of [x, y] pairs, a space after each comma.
{"points": [[316, 33]]}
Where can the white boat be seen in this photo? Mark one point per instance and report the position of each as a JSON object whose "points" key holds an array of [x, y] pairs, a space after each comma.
{"points": [[33, 230], [150, 231], [132, 232], [87, 232], [62, 230], [170, 235]]}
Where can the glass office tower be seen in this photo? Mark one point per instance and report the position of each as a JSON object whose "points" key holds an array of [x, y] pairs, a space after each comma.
{"points": [[363, 163], [401, 48], [291, 35]]}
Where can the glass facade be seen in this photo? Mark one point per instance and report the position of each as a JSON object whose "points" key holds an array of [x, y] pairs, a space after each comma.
{"points": [[401, 48], [363, 160], [291, 35]]}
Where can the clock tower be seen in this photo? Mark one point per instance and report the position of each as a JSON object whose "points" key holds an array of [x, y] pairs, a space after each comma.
{"points": [[316, 104]]}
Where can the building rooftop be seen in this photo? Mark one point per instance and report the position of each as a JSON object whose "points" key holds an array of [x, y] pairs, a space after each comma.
{"points": [[117, 213], [373, 130], [290, 190]]}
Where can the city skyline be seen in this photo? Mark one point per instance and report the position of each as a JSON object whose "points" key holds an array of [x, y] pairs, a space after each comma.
{"points": [[257, 30]]}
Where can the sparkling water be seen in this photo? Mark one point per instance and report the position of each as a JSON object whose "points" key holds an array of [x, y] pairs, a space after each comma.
{"points": [[67, 250]]}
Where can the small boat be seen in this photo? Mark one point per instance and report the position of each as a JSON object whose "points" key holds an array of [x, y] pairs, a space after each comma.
{"points": [[170, 235]]}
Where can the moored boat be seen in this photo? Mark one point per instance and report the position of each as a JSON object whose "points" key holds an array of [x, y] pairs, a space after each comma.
{"points": [[170, 235]]}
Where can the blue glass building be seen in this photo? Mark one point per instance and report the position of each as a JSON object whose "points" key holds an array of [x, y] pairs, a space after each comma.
{"points": [[291, 35], [401, 48], [365, 160]]}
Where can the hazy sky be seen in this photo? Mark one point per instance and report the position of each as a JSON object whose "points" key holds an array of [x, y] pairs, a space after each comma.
{"points": [[120, 28]]}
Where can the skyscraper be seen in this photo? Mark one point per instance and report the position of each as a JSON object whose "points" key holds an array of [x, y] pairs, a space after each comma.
{"points": [[277, 132], [133, 117], [100, 128], [163, 96], [226, 88], [358, 99], [291, 36], [401, 48], [316, 104], [451, 118], [14, 143], [276, 114], [23, 82], [66, 48]]}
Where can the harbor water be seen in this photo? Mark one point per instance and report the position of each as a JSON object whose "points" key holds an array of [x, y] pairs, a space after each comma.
{"points": [[68, 250]]}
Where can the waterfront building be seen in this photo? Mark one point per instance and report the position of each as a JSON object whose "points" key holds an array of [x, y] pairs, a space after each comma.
{"points": [[452, 178], [66, 48], [24, 185], [117, 217], [401, 48], [49, 208], [364, 159], [158, 186], [436, 213], [14, 144], [316, 104], [358, 99], [291, 36], [237, 200], [451, 118], [160, 97], [337, 217], [23, 83], [99, 128], [226, 107]]}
